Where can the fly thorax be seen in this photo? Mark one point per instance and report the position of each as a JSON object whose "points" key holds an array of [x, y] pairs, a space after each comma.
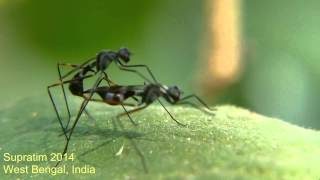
{"points": [[151, 94], [104, 58]]}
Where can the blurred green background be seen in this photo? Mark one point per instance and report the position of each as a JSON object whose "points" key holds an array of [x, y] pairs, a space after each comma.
{"points": [[281, 72]]}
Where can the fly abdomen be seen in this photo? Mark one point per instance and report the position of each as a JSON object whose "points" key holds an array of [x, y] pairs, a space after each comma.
{"points": [[76, 88], [113, 98]]}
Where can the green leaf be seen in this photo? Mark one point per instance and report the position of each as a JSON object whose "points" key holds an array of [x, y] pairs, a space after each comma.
{"points": [[233, 144]]}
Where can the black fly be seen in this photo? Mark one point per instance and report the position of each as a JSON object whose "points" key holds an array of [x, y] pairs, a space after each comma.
{"points": [[93, 67], [148, 93], [143, 95]]}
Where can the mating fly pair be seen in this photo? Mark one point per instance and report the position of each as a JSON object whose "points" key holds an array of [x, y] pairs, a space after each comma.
{"points": [[114, 94]]}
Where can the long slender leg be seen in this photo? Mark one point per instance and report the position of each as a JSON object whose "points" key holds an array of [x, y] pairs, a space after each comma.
{"points": [[133, 143], [82, 107], [74, 66], [131, 111], [69, 81], [170, 114], [139, 65], [134, 98], [64, 95], [200, 100], [77, 68], [122, 105], [130, 139], [131, 120], [122, 128], [137, 72], [89, 117], [98, 101], [54, 105], [106, 78], [101, 101], [57, 113]]}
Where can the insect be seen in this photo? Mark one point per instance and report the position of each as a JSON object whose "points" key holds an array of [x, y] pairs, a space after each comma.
{"points": [[144, 95], [93, 67], [89, 68], [147, 93]]}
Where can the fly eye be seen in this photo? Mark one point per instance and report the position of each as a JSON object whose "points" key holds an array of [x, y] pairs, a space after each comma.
{"points": [[174, 93], [124, 54], [177, 90]]}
